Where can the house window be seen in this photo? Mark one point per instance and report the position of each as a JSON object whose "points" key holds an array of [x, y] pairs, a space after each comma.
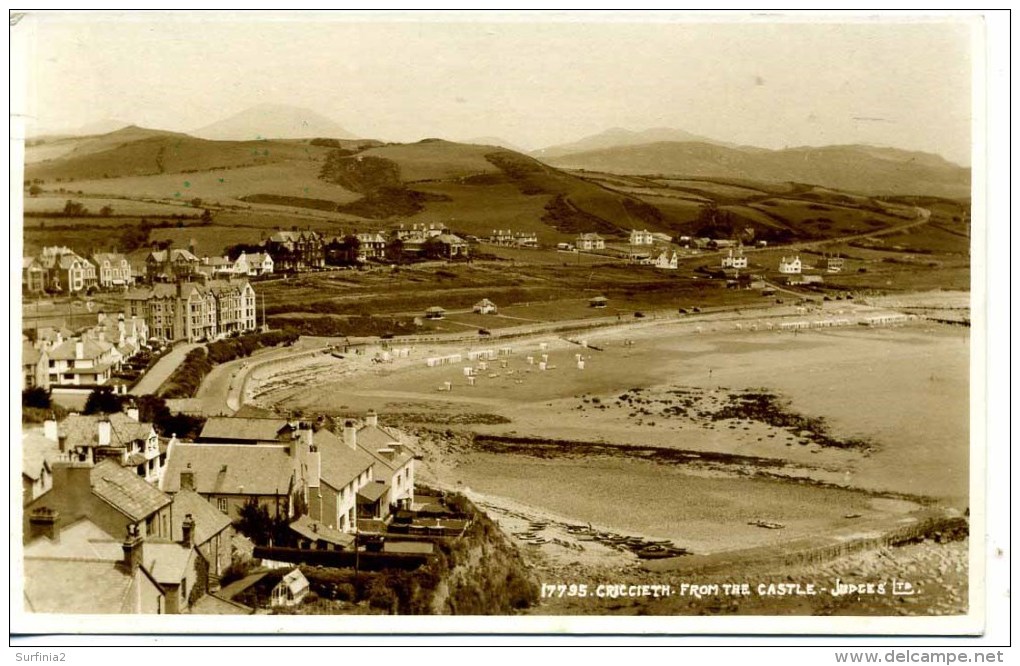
{"points": [[221, 504]]}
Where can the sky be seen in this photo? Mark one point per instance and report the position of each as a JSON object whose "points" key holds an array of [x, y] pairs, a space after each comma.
{"points": [[533, 80]]}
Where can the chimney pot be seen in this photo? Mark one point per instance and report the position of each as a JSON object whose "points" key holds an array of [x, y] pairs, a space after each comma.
{"points": [[188, 531], [132, 548], [350, 435], [105, 432]]}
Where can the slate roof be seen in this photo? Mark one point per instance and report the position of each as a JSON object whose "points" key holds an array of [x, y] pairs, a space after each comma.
{"points": [[167, 562], [339, 463], [451, 239], [231, 590], [373, 438], [36, 453], [112, 257], [91, 349], [126, 491], [316, 531], [29, 354], [248, 429], [82, 540], [373, 490], [231, 468], [209, 521], [210, 604], [76, 586], [83, 430]]}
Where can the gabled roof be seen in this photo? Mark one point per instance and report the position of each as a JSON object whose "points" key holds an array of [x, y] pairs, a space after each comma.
{"points": [[339, 463], [126, 491], [209, 521], [589, 236], [231, 590], [67, 261], [450, 239], [81, 540], [247, 429], [240, 469], [36, 454], [83, 429], [372, 438]]}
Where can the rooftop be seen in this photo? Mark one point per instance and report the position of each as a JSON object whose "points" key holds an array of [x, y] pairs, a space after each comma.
{"points": [[167, 562], [339, 463], [240, 469], [373, 490], [316, 531], [126, 491], [209, 521], [83, 429], [76, 586], [247, 429]]}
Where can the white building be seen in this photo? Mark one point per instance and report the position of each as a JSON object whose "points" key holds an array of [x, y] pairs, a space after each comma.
{"points": [[790, 266], [666, 260], [737, 260], [590, 241], [643, 237]]}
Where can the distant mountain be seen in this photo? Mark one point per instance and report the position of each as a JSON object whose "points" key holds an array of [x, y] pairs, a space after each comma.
{"points": [[857, 168], [104, 126], [618, 137], [273, 121]]}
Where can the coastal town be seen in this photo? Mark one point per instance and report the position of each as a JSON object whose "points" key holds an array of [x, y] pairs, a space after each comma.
{"points": [[274, 367]]}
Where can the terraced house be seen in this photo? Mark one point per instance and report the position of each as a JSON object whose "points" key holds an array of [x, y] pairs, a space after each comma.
{"points": [[114, 270], [195, 311]]}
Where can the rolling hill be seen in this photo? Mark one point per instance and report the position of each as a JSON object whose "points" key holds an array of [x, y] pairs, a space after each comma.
{"points": [[618, 137], [474, 189], [865, 169], [273, 121]]}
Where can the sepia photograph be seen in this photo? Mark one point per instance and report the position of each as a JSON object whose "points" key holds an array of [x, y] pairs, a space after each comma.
{"points": [[643, 321]]}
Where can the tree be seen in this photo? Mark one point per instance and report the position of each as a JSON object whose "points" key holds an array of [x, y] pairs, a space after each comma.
{"points": [[206, 217], [103, 400], [35, 398], [395, 250], [75, 209], [35, 190], [106, 211], [196, 202], [133, 238], [351, 245], [433, 249]]}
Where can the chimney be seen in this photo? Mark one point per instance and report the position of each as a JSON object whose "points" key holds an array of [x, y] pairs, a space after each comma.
{"points": [[350, 435], [79, 349], [188, 531], [397, 447], [105, 430], [132, 413], [50, 431], [371, 419], [132, 548], [43, 522], [187, 478]]}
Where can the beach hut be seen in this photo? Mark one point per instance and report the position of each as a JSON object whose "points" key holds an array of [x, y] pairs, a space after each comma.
{"points": [[484, 306], [598, 302], [435, 312]]}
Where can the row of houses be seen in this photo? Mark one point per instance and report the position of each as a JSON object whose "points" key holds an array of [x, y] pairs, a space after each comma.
{"points": [[195, 310], [156, 516], [58, 358]]}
